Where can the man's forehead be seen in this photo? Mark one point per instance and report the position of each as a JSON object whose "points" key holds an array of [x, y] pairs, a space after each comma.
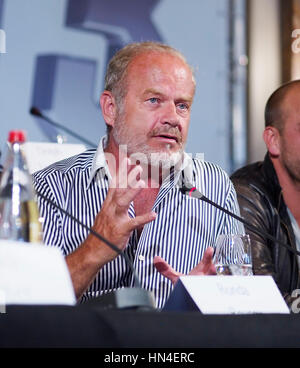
{"points": [[291, 101], [157, 61], [160, 67], [160, 92]]}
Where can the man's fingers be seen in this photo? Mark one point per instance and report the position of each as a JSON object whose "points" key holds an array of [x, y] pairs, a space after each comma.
{"points": [[124, 197], [119, 178], [141, 220], [125, 187], [206, 266], [128, 176], [165, 269]]}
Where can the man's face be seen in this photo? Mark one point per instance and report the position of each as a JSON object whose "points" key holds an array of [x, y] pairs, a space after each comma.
{"points": [[290, 136], [156, 109]]}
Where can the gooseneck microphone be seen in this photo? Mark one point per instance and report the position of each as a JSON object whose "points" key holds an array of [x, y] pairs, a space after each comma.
{"points": [[135, 297], [191, 191], [37, 112], [1, 167]]}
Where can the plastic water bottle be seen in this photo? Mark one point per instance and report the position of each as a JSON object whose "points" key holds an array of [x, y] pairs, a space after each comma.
{"points": [[19, 214]]}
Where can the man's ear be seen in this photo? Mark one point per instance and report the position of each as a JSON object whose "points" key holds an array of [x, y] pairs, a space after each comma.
{"points": [[271, 137], [108, 107]]}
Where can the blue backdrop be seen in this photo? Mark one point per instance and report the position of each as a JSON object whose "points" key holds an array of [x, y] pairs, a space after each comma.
{"points": [[57, 51]]}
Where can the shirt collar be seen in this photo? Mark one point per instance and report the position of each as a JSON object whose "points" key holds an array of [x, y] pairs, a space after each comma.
{"points": [[186, 168], [99, 162]]}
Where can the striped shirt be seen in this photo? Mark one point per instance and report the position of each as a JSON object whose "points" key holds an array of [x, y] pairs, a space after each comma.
{"points": [[183, 229]]}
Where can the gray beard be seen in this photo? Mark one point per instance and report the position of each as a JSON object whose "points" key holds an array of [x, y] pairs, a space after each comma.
{"points": [[142, 153], [162, 159]]}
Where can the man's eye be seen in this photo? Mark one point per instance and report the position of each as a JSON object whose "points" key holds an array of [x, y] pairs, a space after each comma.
{"points": [[183, 106], [153, 100]]}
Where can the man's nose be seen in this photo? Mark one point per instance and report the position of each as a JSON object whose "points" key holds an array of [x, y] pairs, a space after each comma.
{"points": [[171, 116]]}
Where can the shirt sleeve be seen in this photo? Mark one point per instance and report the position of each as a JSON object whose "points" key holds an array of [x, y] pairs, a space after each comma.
{"points": [[51, 218]]}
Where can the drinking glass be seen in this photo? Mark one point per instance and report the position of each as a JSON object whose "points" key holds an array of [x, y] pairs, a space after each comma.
{"points": [[233, 255]]}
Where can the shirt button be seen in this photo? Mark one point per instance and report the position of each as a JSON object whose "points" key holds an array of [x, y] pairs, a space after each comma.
{"points": [[141, 258]]}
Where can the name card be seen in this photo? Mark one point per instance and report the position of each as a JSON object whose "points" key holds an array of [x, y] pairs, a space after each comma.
{"points": [[227, 295], [33, 274], [40, 155]]}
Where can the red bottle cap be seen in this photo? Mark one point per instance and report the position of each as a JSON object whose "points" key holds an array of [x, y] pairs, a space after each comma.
{"points": [[16, 136]]}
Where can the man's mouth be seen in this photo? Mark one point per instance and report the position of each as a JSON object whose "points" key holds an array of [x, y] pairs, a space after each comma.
{"points": [[168, 137], [172, 134]]}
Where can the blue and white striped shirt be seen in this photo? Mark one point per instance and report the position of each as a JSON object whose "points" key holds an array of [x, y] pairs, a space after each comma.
{"points": [[183, 229]]}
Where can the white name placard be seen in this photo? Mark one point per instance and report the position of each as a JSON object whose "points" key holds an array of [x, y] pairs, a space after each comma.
{"points": [[34, 274], [227, 295], [40, 155]]}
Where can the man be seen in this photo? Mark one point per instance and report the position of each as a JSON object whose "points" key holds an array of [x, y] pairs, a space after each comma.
{"points": [[128, 191], [269, 191]]}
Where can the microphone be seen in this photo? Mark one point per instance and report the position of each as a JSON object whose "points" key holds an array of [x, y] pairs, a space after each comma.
{"points": [[191, 191], [37, 112], [1, 168], [135, 297]]}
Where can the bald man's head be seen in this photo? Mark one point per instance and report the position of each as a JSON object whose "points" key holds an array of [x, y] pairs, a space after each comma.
{"points": [[278, 107]]}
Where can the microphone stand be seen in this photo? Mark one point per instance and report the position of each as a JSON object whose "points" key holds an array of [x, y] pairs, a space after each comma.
{"points": [[193, 192], [36, 112]]}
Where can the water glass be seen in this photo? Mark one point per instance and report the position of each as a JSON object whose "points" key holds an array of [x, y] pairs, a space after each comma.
{"points": [[233, 255]]}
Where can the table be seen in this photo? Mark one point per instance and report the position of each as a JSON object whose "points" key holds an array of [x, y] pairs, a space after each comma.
{"points": [[25, 326]]}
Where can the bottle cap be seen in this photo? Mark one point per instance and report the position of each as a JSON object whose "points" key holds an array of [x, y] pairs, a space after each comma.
{"points": [[16, 136]]}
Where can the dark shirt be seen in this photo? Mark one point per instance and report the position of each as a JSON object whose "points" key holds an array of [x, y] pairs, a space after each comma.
{"points": [[262, 204]]}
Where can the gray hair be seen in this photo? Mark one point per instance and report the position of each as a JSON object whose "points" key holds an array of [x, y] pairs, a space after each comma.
{"points": [[115, 79]]}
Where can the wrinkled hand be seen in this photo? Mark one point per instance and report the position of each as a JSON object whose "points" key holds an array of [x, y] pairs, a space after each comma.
{"points": [[205, 267], [113, 221]]}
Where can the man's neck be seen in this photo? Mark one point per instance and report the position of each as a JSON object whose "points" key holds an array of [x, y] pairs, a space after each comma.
{"points": [[152, 175], [290, 190]]}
